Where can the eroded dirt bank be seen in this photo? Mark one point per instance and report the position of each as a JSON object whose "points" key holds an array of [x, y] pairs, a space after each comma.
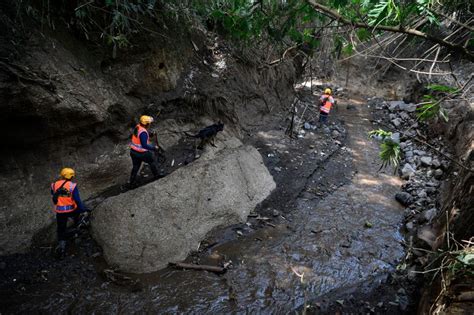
{"points": [[331, 218]]}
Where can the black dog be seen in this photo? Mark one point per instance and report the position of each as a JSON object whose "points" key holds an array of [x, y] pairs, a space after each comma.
{"points": [[208, 134]]}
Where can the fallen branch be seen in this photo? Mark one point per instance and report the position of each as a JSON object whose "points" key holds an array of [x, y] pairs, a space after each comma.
{"points": [[214, 269]]}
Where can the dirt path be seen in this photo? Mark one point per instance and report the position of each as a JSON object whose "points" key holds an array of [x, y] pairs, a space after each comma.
{"points": [[332, 218]]}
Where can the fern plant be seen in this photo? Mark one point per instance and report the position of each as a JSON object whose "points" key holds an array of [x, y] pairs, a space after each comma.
{"points": [[390, 152], [431, 107]]}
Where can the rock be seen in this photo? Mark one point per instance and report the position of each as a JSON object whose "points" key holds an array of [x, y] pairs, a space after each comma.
{"points": [[422, 194], [407, 107], [335, 134], [404, 116], [275, 213], [397, 122], [143, 229], [407, 171], [411, 133], [408, 154], [436, 163], [307, 126], [426, 160], [419, 152], [429, 215], [278, 169], [326, 130], [412, 273], [395, 137], [394, 105], [445, 164], [409, 226], [427, 235], [432, 183], [404, 198], [438, 173], [404, 145], [411, 108]]}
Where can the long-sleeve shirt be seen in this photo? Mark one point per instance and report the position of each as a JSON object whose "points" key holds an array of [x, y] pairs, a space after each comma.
{"points": [[144, 142]]}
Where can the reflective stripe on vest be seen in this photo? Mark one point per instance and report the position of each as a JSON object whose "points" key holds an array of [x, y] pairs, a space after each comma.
{"points": [[65, 203], [326, 108], [136, 144]]}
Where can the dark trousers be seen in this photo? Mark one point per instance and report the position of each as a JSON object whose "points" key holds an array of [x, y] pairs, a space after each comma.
{"points": [[61, 219], [323, 117], [137, 159]]}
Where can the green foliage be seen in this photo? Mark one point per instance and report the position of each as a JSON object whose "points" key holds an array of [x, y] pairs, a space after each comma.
{"points": [[113, 20], [459, 262], [431, 107], [380, 134], [390, 153], [292, 22]]}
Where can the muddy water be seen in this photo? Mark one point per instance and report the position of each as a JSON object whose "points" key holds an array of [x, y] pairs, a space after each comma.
{"points": [[336, 226]]}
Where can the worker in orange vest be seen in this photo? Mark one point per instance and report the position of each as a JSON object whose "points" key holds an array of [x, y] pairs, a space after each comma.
{"points": [[141, 149], [326, 101], [67, 204]]}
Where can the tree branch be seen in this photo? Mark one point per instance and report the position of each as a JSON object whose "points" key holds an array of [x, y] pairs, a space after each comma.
{"points": [[394, 29]]}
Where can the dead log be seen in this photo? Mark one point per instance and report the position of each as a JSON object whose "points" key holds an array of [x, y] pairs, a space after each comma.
{"points": [[215, 269]]}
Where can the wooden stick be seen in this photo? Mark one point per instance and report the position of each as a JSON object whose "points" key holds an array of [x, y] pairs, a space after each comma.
{"points": [[215, 269]]}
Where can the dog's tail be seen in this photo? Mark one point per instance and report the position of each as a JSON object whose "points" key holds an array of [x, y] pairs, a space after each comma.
{"points": [[191, 135]]}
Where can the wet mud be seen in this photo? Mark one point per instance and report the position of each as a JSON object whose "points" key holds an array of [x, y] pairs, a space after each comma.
{"points": [[328, 235]]}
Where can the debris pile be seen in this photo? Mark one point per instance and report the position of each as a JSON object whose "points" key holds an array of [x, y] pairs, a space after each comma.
{"points": [[424, 163]]}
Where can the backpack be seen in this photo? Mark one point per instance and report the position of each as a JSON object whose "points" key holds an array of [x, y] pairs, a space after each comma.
{"points": [[61, 191], [323, 101]]}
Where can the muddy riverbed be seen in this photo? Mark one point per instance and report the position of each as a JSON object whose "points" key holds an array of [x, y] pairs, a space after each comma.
{"points": [[328, 237]]}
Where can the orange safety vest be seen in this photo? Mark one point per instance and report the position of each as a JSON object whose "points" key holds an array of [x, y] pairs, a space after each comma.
{"points": [[65, 203], [326, 107], [136, 144]]}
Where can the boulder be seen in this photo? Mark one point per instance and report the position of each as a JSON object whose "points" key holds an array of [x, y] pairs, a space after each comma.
{"points": [[407, 107], [419, 152], [404, 198], [426, 160], [429, 215], [395, 105], [397, 122], [422, 194], [395, 137], [144, 229], [407, 171]]}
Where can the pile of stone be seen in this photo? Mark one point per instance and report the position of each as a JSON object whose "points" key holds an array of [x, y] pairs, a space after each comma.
{"points": [[421, 166]]}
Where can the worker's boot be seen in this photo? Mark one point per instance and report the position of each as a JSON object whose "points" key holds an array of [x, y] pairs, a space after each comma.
{"points": [[132, 183], [61, 250]]}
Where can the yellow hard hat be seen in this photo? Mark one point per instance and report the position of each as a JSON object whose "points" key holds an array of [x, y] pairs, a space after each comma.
{"points": [[67, 173], [328, 91], [146, 120]]}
